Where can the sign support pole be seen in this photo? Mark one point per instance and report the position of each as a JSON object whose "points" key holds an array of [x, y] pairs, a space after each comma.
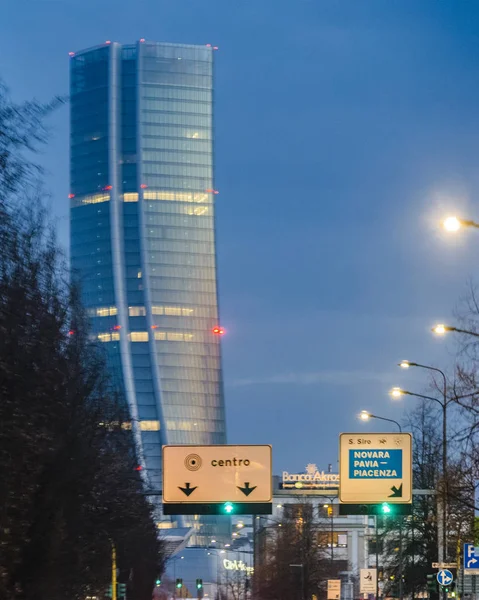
{"points": [[377, 556]]}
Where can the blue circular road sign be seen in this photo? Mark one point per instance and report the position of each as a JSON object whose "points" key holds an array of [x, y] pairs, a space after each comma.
{"points": [[444, 577]]}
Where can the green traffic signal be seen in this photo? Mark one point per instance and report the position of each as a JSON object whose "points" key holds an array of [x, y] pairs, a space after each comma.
{"points": [[228, 508], [179, 583], [199, 584], [158, 582]]}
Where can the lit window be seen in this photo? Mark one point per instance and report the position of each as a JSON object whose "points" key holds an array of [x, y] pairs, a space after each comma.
{"points": [[139, 275], [149, 425], [106, 311], [188, 337], [172, 310], [187, 311], [130, 197], [104, 337], [160, 335], [199, 210], [137, 311], [91, 199], [177, 196], [157, 310], [115, 337], [138, 336]]}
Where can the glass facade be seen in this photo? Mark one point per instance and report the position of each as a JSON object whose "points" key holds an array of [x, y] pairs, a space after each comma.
{"points": [[143, 234]]}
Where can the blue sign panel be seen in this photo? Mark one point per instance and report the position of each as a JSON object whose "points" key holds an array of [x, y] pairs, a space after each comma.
{"points": [[471, 557], [444, 577], [375, 464]]}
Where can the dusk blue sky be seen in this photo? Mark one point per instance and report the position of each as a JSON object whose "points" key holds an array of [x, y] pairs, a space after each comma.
{"points": [[344, 131]]}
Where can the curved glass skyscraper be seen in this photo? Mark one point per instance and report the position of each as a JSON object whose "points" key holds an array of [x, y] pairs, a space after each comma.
{"points": [[143, 234]]}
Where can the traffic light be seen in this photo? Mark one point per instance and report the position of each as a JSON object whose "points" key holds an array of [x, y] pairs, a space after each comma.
{"points": [[386, 508], [228, 508], [449, 589], [122, 590], [158, 582], [431, 583], [199, 584], [393, 586], [179, 583], [109, 592]]}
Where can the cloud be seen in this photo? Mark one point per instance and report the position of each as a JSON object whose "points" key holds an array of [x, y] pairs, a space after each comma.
{"points": [[330, 377]]}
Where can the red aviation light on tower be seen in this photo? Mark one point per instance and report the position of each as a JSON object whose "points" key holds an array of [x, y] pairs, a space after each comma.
{"points": [[217, 330]]}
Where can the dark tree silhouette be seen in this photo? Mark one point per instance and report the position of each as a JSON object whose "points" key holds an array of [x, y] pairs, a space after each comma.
{"points": [[69, 489]]}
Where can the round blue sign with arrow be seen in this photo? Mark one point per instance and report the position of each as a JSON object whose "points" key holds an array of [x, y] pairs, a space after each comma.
{"points": [[444, 577]]}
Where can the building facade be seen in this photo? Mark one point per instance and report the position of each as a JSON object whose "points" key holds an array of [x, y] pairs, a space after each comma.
{"points": [[143, 235]]}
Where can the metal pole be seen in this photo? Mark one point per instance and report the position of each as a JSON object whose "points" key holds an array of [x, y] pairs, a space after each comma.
{"points": [[255, 555], [332, 536], [401, 587], [377, 555], [113, 571], [413, 588], [302, 582], [444, 476]]}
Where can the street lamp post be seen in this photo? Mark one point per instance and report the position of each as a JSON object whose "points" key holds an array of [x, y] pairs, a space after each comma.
{"points": [[441, 329], [405, 364], [396, 393], [365, 415], [453, 224]]}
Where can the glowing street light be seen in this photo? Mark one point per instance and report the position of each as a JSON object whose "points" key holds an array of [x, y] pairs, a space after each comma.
{"points": [[441, 329], [365, 415], [452, 224], [396, 392]]}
